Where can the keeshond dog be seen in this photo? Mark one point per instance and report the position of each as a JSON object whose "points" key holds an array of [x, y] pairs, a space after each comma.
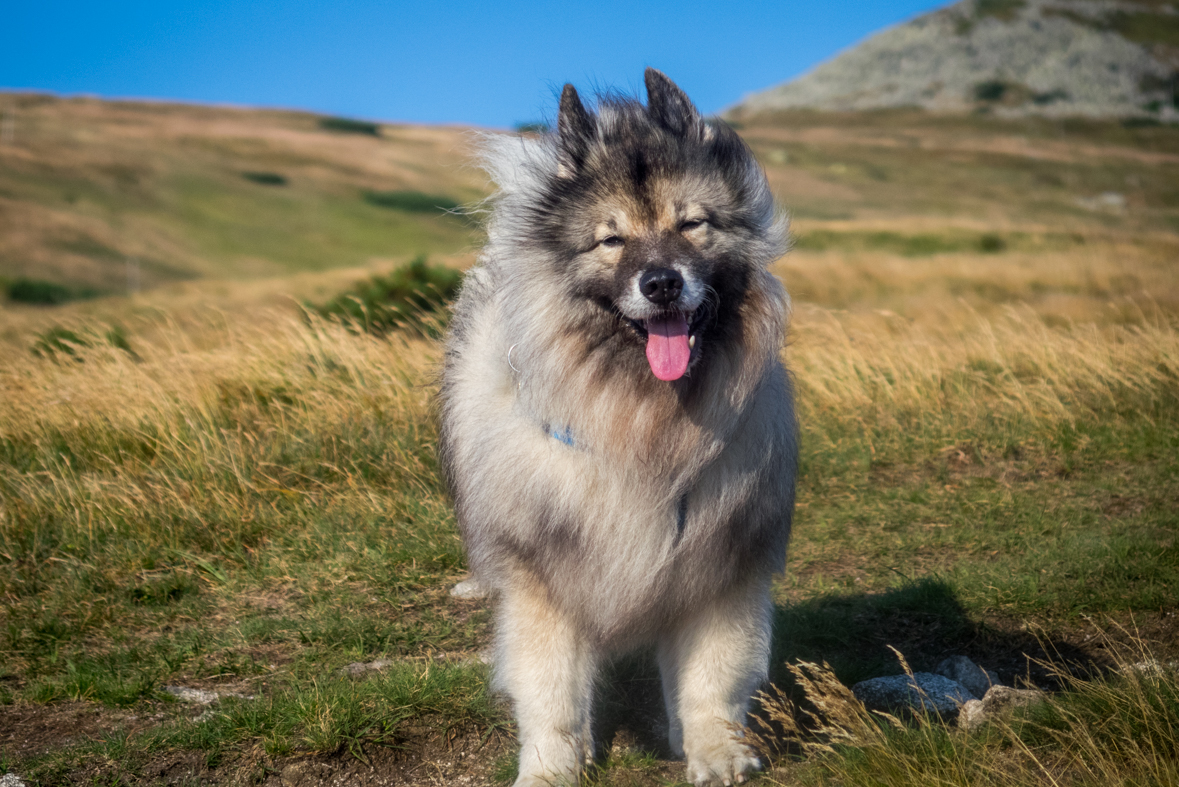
{"points": [[617, 428]]}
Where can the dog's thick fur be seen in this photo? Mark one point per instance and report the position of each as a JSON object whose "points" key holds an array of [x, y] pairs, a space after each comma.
{"points": [[603, 507]]}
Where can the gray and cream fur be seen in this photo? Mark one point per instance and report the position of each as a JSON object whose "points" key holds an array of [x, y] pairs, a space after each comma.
{"points": [[603, 507]]}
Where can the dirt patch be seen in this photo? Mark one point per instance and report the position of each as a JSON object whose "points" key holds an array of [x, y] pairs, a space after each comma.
{"points": [[1118, 506], [424, 756], [434, 759], [26, 730]]}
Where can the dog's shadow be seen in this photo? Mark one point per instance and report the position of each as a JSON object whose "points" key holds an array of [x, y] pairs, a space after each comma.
{"points": [[852, 632]]}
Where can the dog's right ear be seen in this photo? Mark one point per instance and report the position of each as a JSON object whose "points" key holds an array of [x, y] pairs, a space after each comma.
{"points": [[575, 129]]}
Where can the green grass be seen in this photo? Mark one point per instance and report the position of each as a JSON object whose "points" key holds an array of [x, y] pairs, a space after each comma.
{"points": [[411, 201], [45, 293], [399, 299], [917, 245], [279, 230], [1146, 28], [330, 714], [350, 126], [60, 343], [265, 178]]}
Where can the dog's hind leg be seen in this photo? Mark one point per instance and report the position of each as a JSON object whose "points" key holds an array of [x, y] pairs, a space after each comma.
{"points": [[711, 664], [548, 669]]}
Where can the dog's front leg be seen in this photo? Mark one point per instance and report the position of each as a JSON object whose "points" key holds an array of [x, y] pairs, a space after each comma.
{"points": [[711, 665], [547, 669]]}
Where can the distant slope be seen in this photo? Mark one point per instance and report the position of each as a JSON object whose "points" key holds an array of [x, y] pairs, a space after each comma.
{"points": [[118, 195], [1095, 58]]}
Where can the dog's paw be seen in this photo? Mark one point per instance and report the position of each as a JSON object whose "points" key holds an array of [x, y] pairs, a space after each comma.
{"points": [[470, 588], [726, 765], [547, 780]]}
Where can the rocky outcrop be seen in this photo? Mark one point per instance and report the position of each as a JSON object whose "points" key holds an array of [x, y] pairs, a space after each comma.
{"points": [[961, 690], [1095, 58]]}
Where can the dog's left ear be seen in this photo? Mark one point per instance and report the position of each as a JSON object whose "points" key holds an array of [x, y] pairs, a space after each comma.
{"points": [[670, 107]]}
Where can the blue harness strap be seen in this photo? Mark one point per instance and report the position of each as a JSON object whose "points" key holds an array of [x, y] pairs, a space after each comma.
{"points": [[563, 435]]}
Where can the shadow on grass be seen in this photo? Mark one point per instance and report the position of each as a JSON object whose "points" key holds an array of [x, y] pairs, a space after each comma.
{"points": [[925, 621], [850, 631]]}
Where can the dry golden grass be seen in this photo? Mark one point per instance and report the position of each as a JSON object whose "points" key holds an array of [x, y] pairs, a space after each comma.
{"points": [[1031, 361], [1118, 729], [931, 366], [1013, 365]]}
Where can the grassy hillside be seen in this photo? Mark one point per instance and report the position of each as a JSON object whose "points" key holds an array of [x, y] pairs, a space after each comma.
{"points": [[115, 196], [212, 490]]}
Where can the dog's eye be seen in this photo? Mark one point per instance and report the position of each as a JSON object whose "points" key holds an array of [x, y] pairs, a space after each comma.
{"points": [[688, 226], [612, 242]]}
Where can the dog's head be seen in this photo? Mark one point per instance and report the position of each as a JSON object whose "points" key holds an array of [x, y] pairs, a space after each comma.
{"points": [[655, 218]]}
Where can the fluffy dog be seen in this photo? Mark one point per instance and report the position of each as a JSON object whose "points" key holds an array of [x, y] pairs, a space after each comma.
{"points": [[617, 429]]}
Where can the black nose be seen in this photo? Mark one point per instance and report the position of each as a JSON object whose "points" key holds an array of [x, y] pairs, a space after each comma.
{"points": [[661, 286]]}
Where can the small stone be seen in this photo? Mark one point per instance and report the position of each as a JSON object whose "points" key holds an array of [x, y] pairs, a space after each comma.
{"points": [[1151, 669], [469, 588], [971, 715], [924, 690], [11, 780], [357, 668], [195, 696], [977, 680], [305, 772], [1106, 200], [999, 700], [201, 696], [1004, 698], [1112, 199]]}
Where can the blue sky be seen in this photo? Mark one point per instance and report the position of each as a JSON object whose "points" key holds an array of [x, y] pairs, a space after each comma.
{"points": [[482, 63]]}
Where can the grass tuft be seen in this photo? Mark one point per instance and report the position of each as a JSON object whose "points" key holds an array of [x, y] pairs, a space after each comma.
{"points": [[350, 126], [45, 293], [411, 201], [411, 296], [60, 342], [265, 178]]}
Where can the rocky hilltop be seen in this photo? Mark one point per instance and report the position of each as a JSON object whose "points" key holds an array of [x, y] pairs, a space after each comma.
{"points": [[1096, 58]]}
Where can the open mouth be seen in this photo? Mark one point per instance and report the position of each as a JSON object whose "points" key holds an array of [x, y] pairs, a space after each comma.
{"points": [[671, 341]]}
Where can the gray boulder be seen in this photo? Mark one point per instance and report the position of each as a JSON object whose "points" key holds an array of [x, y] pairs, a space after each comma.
{"points": [[977, 680], [924, 691]]}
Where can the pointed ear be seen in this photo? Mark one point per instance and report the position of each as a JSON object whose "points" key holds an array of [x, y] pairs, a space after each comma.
{"points": [[575, 129], [668, 105]]}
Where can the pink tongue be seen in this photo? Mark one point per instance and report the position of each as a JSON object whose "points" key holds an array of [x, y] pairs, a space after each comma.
{"points": [[667, 347]]}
